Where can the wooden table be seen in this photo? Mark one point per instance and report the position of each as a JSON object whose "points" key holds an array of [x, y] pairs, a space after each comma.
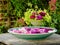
{"points": [[11, 40]]}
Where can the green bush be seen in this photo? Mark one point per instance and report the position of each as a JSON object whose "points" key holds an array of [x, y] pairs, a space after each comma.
{"points": [[18, 7], [3, 29], [57, 16]]}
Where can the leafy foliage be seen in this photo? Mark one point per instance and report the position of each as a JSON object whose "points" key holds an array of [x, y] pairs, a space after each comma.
{"points": [[57, 16], [18, 7], [3, 29]]}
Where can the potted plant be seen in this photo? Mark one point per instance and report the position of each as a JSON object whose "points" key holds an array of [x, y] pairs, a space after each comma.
{"points": [[37, 17]]}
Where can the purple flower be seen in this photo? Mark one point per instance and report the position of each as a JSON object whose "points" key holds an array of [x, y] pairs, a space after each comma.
{"points": [[45, 30], [35, 31], [42, 13], [28, 29], [39, 17]]}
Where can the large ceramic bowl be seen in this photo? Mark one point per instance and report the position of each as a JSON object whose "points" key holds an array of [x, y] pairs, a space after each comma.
{"points": [[32, 36]]}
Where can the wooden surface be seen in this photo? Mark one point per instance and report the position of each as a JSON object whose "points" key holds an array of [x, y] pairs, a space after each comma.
{"points": [[11, 40]]}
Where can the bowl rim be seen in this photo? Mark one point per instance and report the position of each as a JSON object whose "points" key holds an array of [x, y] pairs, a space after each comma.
{"points": [[54, 30]]}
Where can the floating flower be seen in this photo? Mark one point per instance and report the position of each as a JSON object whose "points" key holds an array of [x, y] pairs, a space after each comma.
{"points": [[34, 31], [28, 30]]}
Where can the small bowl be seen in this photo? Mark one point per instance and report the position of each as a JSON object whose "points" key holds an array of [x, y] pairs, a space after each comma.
{"points": [[32, 36]]}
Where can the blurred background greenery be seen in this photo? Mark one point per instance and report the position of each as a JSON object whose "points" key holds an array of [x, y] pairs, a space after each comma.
{"points": [[12, 12]]}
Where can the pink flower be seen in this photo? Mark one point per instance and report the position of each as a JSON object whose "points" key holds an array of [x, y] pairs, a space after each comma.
{"points": [[39, 17], [53, 1], [17, 31], [34, 13], [52, 5]]}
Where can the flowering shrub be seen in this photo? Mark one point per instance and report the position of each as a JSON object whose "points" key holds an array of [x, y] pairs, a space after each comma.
{"points": [[40, 16], [52, 5]]}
